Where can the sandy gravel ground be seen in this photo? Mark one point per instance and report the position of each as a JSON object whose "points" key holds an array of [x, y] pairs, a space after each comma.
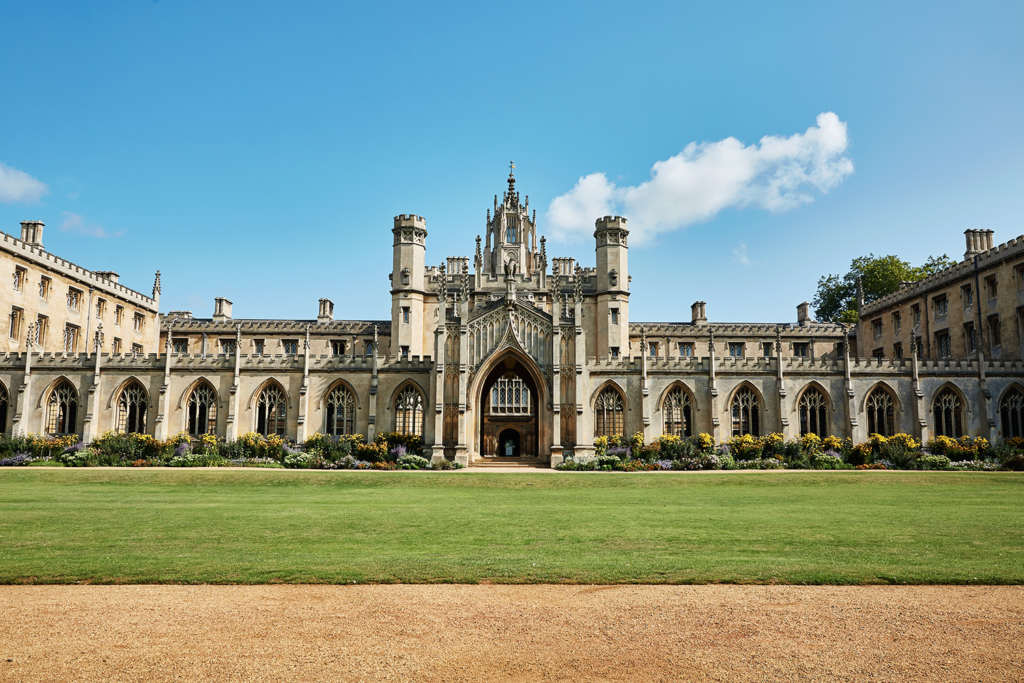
{"points": [[511, 633]]}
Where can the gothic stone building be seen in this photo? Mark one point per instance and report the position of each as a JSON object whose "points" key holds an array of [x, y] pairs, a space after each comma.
{"points": [[510, 353]]}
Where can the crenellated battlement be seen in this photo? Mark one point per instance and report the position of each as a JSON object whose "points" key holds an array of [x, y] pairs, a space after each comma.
{"points": [[987, 258]]}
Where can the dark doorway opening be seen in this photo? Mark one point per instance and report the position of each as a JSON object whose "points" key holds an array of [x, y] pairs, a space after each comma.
{"points": [[508, 444]]}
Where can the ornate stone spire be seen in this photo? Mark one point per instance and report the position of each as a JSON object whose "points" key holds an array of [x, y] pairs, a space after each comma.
{"points": [[442, 288], [156, 285], [578, 285], [465, 282]]}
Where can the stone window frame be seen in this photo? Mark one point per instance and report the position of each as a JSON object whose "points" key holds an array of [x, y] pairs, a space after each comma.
{"points": [[132, 403], [948, 412], [992, 287], [995, 332], [138, 322], [805, 347], [614, 313], [610, 412], [20, 277], [45, 287], [877, 328], [42, 323], [72, 334], [118, 315], [943, 344], [746, 411], [74, 299], [970, 343], [62, 408], [137, 350], [940, 305], [737, 349], [897, 322], [290, 347], [17, 317], [338, 347], [686, 349], [410, 410], [228, 345]]}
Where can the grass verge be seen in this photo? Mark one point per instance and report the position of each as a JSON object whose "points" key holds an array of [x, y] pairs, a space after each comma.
{"points": [[231, 526]]}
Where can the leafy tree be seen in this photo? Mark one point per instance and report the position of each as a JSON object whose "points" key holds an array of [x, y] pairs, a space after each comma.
{"points": [[836, 298]]}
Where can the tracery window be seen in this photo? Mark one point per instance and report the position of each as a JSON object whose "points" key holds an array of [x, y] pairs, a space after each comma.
{"points": [[131, 409], [678, 411], [62, 409], [881, 410], [1012, 412], [271, 409], [510, 231], [341, 412], [813, 413], [409, 412], [202, 410], [746, 413], [949, 414], [5, 401], [510, 396], [608, 413]]}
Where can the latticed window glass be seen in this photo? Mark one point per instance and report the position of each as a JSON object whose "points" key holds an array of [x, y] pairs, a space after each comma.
{"points": [[881, 408], [746, 413], [409, 412], [608, 416], [202, 410], [678, 410], [70, 338], [341, 412], [949, 414], [510, 396], [271, 409], [62, 409], [181, 345], [131, 409], [1012, 412], [74, 299], [5, 402], [813, 413]]}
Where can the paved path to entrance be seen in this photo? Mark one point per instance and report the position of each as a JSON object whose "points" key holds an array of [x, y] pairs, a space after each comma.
{"points": [[511, 633]]}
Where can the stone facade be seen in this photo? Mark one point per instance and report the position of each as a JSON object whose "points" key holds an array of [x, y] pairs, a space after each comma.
{"points": [[508, 353]]}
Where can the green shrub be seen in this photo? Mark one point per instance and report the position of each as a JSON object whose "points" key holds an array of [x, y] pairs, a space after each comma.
{"points": [[78, 456], [826, 461], [296, 460], [603, 461], [933, 462], [727, 462], [442, 465], [413, 462]]}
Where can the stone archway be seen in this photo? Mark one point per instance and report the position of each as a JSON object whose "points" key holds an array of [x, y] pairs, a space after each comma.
{"points": [[510, 405]]}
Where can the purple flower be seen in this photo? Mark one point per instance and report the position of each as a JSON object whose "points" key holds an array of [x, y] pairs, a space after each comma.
{"points": [[183, 448], [398, 452]]}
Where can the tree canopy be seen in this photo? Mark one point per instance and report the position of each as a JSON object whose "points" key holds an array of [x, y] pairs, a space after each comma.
{"points": [[836, 298]]}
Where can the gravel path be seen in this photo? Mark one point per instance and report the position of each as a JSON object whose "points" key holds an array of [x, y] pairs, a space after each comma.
{"points": [[511, 633]]}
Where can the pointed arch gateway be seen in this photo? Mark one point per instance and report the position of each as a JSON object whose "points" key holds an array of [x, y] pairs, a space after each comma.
{"points": [[509, 398]]}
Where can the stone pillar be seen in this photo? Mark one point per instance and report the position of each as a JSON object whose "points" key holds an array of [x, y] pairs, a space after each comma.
{"points": [[584, 416], [462, 450], [301, 430], [160, 430], [556, 382], [22, 409], [371, 429], [234, 409], [783, 419], [89, 427], [713, 387], [437, 380], [645, 409]]}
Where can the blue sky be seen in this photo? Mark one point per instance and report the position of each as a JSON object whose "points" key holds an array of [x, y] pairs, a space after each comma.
{"points": [[259, 151]]}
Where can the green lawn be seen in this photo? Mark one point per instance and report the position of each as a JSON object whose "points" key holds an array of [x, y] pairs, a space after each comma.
{"points": [[232, 526]]}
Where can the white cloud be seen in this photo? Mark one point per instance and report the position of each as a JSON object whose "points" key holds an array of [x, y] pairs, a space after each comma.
{"points": [[74, 222], [775, 174], [739, 254], [18, 186]]}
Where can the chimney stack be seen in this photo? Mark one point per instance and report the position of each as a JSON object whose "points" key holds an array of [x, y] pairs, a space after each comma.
{"points": [[326, 313], [977, 242], [108, 275], [803, 315], [698, 313], [221, 309], [32, 233]]}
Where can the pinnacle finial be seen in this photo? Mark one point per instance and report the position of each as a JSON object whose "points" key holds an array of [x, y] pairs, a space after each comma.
{"points": [[156, 284]]}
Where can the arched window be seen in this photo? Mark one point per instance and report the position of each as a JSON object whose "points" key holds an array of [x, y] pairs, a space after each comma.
{"points": [[131, 409], [5, 401], [949, 414], [341, 412], [881, 412], [678, 412], [813, 413], [1012, 412], [62, 409], [510, 231], [510, 396], [409, 412], [202, 410], [271, 408], [608, 417], [746, 413]]}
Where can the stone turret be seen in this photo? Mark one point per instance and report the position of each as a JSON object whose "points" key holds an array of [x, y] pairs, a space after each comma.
{"points": [[612, 274], [408, 286]]}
